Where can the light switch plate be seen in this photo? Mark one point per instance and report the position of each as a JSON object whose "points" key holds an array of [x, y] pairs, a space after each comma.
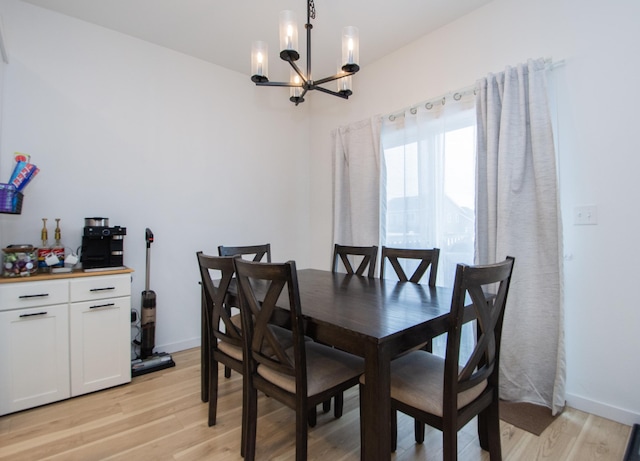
{"points": [[585, 215]]}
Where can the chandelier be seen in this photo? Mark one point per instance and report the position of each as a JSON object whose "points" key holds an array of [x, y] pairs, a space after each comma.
{"points": [[301, 83]]}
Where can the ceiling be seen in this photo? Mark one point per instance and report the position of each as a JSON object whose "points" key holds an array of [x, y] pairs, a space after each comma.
{"points": [[221, 32]]}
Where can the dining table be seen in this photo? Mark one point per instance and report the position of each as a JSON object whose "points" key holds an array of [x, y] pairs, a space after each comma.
{"points": [[377, 319]]}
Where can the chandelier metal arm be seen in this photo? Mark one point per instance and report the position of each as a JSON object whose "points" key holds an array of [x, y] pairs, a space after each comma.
{"points": [[332, 78], [334, 93], [289, 84], [298, 71]]}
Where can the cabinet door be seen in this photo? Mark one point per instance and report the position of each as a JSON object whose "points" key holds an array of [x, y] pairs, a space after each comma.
{"points": [[34, 357], [100, 344]]}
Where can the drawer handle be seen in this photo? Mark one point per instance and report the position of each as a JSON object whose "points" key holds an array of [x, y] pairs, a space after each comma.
{"points": [[34, 314], [102, 289], [41, 295], [102, 305]]}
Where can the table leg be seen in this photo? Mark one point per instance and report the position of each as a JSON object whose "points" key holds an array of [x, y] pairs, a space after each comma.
{"points": [[376, 401], [204, 351]]}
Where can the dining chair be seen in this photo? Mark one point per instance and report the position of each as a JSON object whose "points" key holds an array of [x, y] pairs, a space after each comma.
{"points": [[448, 392], [428, 259], [367, 253], [258, 251], [223, 330], [302, 376]]}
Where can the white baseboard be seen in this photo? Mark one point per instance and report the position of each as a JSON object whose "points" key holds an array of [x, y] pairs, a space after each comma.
{"points": [[179, 346], [603, 410]]}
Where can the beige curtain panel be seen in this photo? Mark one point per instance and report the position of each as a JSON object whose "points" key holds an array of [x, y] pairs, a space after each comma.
{"points": [[518, 214], [356, 183]]}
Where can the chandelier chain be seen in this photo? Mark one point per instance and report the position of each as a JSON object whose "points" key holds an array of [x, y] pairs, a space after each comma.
{"points": [[312, 9]]}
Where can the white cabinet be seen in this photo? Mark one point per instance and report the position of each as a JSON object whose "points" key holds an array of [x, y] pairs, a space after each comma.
{"points": [[63, 337], [100, 333]]}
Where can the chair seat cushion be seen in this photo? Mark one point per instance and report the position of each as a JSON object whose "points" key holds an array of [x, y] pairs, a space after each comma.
{"points": [[284, 336], [231, 350], [326, 367], [417, 379]]}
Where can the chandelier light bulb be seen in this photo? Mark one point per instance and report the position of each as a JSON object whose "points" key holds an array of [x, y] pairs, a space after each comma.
{"points": [[259, 63]]}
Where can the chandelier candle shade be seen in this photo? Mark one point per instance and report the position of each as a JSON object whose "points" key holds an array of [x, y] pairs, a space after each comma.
{"points": [[300, 83]]}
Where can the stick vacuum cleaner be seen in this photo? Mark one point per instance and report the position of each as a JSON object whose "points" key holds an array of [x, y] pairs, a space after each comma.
{"points": [[149, 361]]}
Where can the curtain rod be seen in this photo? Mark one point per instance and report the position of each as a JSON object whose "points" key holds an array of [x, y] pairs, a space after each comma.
{"points": [[429, 103], [456, 95]]}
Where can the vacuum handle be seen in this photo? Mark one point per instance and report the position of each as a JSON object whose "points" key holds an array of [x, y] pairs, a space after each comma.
{"points": [[148, 235]]}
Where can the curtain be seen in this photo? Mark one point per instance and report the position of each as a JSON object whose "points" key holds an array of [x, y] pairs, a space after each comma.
{"points": [[356, 183], [428, 187], [518, 214], [428, 181]]}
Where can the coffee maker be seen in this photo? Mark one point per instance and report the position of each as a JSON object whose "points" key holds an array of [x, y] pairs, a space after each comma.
{"points": [[102, 246]]}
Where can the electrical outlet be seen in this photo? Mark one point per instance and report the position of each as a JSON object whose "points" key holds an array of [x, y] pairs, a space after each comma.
{"points": [[585, 215]]}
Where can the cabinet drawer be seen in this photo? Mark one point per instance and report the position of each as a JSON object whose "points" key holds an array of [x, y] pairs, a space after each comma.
{"points": [[110, 286], [32, 294]]}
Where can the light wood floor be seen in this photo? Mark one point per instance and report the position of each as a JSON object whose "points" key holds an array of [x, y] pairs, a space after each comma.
{"points": [[159, 416]]}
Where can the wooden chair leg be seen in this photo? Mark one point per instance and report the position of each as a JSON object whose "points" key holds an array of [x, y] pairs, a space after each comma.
{"points": [[338, 405], [326, 406], [489, 431], [312, 417], [301, 433], [394, 430], [227, 372], [419, 431], [213, 393], [249, 424], [449, 443], [360, 394]]}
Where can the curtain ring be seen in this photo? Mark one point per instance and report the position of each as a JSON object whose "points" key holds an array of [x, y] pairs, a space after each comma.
{"points": [[392, 118], [444, 100], [428, 106], [413, 111], [457, 96]]}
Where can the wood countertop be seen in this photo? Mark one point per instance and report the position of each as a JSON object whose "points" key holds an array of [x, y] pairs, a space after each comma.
{"points": [[64, 275]]}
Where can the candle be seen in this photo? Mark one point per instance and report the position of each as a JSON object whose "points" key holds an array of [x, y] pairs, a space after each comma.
{"points": [[289, 37]]}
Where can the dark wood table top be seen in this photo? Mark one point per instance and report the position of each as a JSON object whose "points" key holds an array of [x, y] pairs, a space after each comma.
{"points": [[377, 310]]}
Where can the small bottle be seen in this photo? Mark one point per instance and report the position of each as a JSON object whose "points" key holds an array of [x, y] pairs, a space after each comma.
{"points": [[58, 248], [44, 250]]}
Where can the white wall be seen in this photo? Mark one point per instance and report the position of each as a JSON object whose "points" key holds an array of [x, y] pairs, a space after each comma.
{"points": [[151, 138], [598, 149]]}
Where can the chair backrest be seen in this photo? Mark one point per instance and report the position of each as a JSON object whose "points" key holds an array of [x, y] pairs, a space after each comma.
{"points": [[486, 288], [260, 285], [368, 254], [216, 314], [258, 251], [428, 258]]}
